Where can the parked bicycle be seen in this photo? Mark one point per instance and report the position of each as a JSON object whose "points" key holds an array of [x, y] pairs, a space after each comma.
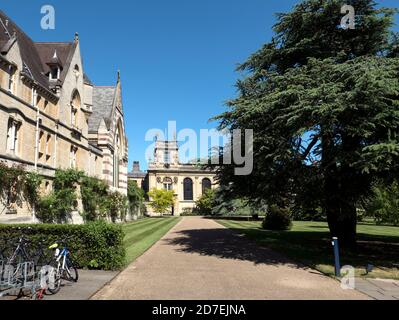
{"points": [[25, 267], [65, 269]]}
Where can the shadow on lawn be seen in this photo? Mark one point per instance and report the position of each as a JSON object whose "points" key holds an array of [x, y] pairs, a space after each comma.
{"points": [[297, 248]]}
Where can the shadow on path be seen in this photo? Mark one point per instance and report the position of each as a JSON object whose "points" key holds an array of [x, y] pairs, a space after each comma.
{"points": [[226, 244]]}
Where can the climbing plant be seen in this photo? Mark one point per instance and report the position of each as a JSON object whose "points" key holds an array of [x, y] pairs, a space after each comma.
{"points": [[135, 196], [57, 206], [94, 194], [17, 185]]}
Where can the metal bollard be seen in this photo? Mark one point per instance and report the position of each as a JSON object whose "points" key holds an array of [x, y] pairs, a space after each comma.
{"points": [[335, 244]]}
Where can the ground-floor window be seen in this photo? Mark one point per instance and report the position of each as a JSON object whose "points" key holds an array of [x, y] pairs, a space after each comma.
{"points": [[206, 185], [188, 189]]}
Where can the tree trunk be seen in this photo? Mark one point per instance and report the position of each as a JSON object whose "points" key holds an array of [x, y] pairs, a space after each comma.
{"points": [[342, 220], [338, 205]]}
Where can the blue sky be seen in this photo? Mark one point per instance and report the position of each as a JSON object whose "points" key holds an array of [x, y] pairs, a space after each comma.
{"points": [[177, 58]]}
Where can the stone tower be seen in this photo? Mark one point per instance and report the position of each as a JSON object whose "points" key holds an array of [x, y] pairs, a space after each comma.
{"points": [[166, 153]]}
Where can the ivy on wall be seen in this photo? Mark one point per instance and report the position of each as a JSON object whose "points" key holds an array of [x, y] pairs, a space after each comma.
{"points": [[17, 186], [69, 186]]}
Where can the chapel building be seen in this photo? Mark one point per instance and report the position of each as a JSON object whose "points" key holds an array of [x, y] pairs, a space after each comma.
{"points": [[189, 181]]}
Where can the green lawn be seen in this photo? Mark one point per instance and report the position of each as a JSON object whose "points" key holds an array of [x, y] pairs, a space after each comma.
{"points": [[310, 243], [143, 234]]}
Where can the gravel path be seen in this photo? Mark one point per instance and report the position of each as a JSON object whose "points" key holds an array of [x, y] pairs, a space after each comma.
{"points": [[201, 260]]}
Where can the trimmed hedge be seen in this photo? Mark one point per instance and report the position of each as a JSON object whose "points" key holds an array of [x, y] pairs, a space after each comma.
{"points": [[95, 245]]}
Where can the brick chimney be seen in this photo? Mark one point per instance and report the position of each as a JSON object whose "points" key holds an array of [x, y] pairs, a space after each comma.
{"points": [[136, 166]]}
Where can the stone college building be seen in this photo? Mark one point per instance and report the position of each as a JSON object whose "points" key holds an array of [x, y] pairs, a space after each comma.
{"points": [[52, 116], [188, 181]]}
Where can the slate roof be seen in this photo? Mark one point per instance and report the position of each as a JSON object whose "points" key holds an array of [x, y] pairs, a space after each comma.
{"points": [[137, 175], [46, 52], [2, 44], [35, 56], [103, 100]]}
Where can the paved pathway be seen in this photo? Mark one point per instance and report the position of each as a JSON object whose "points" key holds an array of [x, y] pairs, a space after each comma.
{"points": [[201, 260], [379, 289], [89, 283]]}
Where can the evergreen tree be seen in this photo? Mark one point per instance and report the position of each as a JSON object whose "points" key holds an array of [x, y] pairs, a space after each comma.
{"points": [[323, 104]]}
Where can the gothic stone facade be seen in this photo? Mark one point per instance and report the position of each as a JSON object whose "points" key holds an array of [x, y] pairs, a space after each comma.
{"points": [[52, 116], [188, 181]]}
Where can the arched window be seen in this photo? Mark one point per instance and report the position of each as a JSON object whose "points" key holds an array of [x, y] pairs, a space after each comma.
{"points": [[188, 189], [75, 107], [76, 71], [206, 185], [118, 154], [116, 161]]}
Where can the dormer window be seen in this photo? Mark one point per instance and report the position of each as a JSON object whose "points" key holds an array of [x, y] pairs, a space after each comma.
{"points": [[55, 68], [55, 73]]}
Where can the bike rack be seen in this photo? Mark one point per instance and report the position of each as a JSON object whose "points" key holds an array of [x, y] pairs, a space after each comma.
{"points": [[21, 277]]}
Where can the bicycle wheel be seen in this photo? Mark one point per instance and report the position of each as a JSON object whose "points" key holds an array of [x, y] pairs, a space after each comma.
{"points": [[57, 283], [71, 272]]}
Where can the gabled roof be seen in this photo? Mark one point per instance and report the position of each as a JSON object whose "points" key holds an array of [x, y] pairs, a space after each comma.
{"points": [[103, 100], [35, 56], [46, 52]]}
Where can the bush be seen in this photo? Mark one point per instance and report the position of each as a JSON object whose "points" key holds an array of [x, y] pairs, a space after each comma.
{"points": [[136, 197], [95, 245], [190, 212], [205, 204], [277, 219], [383, 206], [161, 200]]}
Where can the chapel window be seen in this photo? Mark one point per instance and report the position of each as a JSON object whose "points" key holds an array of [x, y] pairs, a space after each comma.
{"points": [[206, 185], [188, 189]]}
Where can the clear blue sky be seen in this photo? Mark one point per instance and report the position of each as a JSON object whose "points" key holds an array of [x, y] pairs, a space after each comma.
{"points": [[177, 57]]}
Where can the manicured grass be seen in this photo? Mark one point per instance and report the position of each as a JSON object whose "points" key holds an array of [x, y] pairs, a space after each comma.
{"points": [[310, 243], [142, 235]]}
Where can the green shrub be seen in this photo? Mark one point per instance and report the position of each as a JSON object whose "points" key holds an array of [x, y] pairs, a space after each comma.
{"points": [[205, 204], [189, 212], [161, 200], [277, 219], [135, 196], [95, 245], [383, 205]]}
